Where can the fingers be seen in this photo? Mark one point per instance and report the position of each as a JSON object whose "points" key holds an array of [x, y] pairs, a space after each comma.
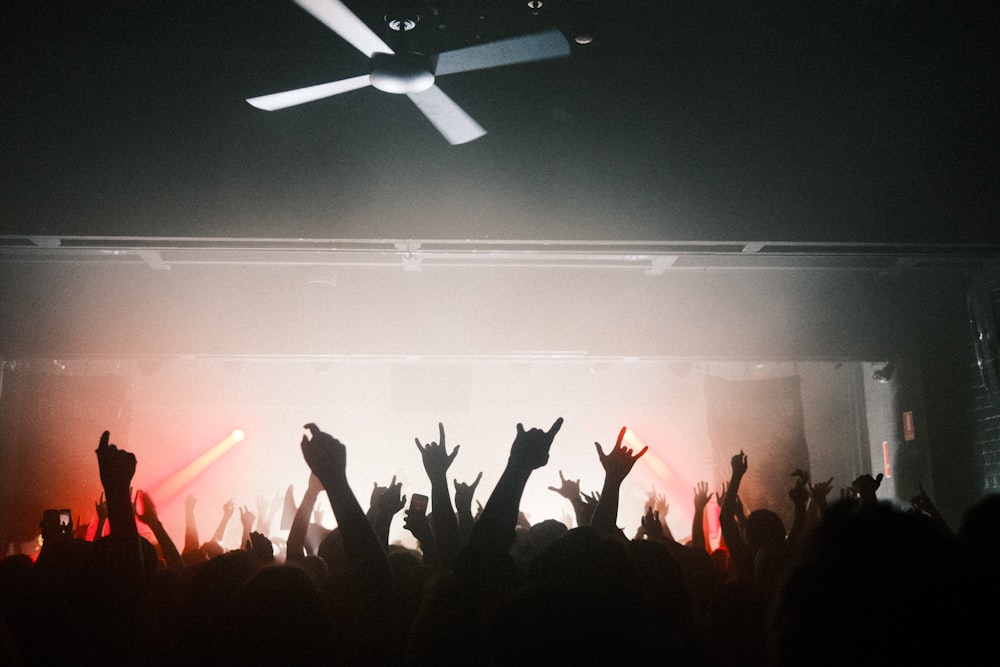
{"points": [[644, 449], [102, 445], [600, 451], [556, 425], [441, 433], [621, 435], [419, 446], [520, 428], [312, 428], [478, 477]]}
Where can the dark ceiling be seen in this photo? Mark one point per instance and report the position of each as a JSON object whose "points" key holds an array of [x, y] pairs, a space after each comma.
{"points": [[828, 121]]}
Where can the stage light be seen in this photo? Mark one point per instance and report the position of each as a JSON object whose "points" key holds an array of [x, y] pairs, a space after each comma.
{"points": [[652, 461], [180, 479]]}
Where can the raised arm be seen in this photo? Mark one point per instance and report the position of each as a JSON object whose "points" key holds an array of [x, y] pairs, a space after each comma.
{"points": [[818, 491], [436, 461], [494, 531], [117, 467], [464, 494], [799, 495], [739, 552], [866, 486], [101, 508], [701, 499], [145, 510], [295, 546], [617, 464], [191, 542], [389, 504], [415, 520], [570, 490], [366, 557], [227, 513]]}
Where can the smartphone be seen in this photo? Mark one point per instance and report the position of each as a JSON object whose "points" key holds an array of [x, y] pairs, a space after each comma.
{"points": [[418, 502], [57, 522]]}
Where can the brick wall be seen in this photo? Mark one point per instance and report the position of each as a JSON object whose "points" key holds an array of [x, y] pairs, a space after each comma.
{"points": [[987, 401]]}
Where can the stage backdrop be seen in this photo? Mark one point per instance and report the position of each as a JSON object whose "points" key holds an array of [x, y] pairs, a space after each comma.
{"points": [[764, 419]]}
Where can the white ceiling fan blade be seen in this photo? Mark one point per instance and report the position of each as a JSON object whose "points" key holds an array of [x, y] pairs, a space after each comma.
{"points": [[290, 98], [523, 49], [450, 119], [345, 23]]}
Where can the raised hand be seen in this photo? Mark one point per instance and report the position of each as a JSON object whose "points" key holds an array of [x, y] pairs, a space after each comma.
{"points": [[148, 512], [415, 521], [436, 457], [701, 496], [866, 486], [465, 492], [391, 501], [247, 518], [739, 464], [373, 500], [720, 495], [922, 502], [568, 488], [820, 490], [101, 507], [619, 461], [701, 499], [617, 464], [530, 449], [658, 501], [799, 493], [116, 466], [325, 455], [260, 547], [652, 526]]}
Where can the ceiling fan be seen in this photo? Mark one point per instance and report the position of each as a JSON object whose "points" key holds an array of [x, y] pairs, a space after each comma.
{"points": [[414, 74]]}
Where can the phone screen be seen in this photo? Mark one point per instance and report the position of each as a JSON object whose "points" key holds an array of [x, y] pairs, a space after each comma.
{"points": [[418, 502]]}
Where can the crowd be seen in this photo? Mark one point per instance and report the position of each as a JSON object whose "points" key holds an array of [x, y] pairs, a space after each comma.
{"points": [[853, 580]]}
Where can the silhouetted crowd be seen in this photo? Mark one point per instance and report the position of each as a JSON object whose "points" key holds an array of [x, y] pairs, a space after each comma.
{"points": [[853, 581]]}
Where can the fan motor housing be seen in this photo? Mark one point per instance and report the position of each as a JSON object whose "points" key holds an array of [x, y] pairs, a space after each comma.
{"points": [[401, 73]]}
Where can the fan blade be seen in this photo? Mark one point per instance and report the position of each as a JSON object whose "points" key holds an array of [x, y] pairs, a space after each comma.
{"points": [[523, 49], [450, 119], [290, 98], [345, 23]]}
